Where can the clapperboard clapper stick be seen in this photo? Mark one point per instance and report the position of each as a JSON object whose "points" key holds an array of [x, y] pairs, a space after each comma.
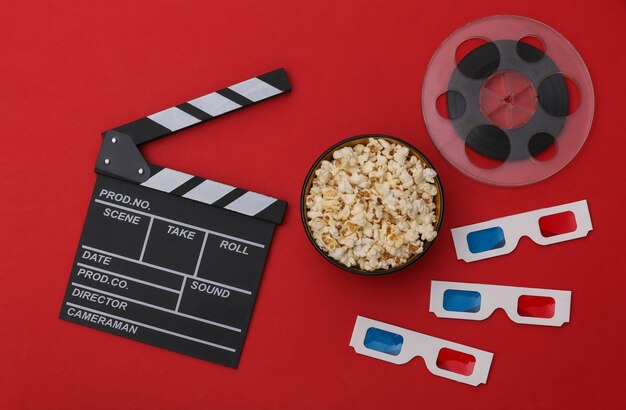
{"points": [[168, 258]]}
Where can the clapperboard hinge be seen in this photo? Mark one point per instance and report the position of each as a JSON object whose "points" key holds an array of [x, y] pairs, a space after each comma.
{"points": [[120, 157]]}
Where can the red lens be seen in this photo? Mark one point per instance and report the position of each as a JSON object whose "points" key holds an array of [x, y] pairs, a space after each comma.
{"points": [[455, 361], [535, 306], [557, 224]]}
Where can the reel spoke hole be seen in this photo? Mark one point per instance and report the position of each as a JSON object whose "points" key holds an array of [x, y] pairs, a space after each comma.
{"points": [[450, 105], [487, 146], [477, 58], [531, 48], [573, 95], [542, 147]]}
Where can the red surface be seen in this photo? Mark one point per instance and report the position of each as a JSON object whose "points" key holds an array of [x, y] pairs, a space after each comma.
{"points": [[70, 71]]}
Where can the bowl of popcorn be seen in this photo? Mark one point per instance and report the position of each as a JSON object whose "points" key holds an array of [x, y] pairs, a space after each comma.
{"points": [[372, 204]]}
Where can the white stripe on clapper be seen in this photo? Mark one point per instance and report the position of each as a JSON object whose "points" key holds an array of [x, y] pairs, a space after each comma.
{"points": [[255, 89], [250, 203], [208, 191], [167, 180], [214, 104], [174, 118]]}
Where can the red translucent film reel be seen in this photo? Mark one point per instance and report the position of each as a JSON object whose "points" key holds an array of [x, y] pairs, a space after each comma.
{"points": [[508, 100]]}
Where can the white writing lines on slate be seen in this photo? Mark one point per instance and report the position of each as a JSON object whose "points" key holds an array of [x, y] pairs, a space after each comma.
{"points": [[89, 248], [210, 322], [145, 242], [259, 245], [143, 282], [180, 295], [195, 273], [157, 329]]}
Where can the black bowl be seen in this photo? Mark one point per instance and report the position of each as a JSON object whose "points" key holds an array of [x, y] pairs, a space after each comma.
{"points": [[350, 142]]}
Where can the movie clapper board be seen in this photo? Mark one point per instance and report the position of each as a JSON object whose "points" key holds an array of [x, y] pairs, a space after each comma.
{"points": [[168, 258]]}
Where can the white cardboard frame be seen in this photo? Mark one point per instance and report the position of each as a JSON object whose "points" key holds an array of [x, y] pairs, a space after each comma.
{"points": [[523, 224], [425, 346], [504, 297]]}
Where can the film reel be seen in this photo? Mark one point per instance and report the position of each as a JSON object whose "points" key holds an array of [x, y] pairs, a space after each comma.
{"points": [[520, 94]]}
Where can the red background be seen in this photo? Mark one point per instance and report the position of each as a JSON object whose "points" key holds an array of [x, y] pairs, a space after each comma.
{"points": [[70, 71]]}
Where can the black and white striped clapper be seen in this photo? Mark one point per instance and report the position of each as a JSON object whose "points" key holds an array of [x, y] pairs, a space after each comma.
{"points": [[168, 258]]}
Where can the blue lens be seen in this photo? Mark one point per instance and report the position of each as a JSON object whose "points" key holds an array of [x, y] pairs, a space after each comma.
{"points": [[383, 341], [461, 301], [485, 240]]}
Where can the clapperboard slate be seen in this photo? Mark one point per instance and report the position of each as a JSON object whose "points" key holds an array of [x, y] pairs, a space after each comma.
{"points": [[168, 258]]}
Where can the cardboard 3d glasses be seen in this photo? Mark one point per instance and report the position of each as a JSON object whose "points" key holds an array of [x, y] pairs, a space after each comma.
{"points": [[474, 301], [443, 358], [500, 236]]}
